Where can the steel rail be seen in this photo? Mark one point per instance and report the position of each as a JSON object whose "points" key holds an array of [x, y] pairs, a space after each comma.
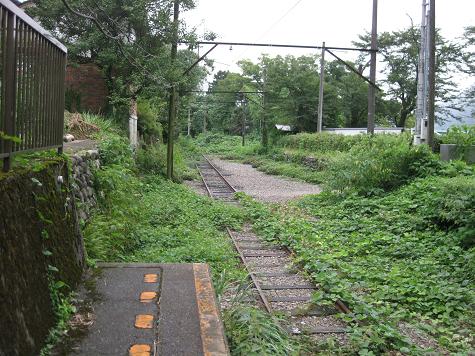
{"points": [[339, 305], [222, 177], [262, 296]]}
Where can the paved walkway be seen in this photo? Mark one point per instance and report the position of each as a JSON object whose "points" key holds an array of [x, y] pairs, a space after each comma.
{"points": [[73, 147], [154, 309]]}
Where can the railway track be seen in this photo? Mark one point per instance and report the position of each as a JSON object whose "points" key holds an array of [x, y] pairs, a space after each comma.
{"points": [[278, 283]]}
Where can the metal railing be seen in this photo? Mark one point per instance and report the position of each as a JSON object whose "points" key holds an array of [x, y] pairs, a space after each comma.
{"points": [[32, 71]]}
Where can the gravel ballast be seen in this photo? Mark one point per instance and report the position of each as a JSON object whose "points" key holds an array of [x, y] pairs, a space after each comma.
{"points": [[261, 186]]}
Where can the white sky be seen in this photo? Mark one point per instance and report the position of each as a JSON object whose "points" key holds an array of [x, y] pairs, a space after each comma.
{"points": [[309, 22]]}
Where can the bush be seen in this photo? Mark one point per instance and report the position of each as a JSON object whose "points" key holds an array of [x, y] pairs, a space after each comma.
{"points": [[380, 163], [148, 124], [153, 160], [460, 135], [321, 142], [115, 150]]}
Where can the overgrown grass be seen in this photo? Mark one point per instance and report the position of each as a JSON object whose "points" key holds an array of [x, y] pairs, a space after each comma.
{"points": [[144, 218], [405, 256]]}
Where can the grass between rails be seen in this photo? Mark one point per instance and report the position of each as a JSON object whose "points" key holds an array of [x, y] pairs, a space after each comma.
{"points": [[393, 236]]}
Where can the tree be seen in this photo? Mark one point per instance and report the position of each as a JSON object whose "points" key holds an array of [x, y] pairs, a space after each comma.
{"points": [[128, 39], [400, 51]]}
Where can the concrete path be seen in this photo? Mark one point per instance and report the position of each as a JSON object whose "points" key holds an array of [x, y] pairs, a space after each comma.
{"points": [[154, 309], [73, 147]]}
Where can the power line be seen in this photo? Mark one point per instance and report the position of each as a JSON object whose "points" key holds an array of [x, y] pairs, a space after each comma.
{"points": [[280, 45], [271, 27]]}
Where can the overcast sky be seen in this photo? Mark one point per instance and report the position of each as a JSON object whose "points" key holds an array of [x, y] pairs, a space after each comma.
{"points": [[309, 22]]}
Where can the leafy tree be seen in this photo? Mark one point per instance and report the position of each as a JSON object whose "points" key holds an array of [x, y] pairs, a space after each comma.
{"points": [[400, 52], [129, 40]]}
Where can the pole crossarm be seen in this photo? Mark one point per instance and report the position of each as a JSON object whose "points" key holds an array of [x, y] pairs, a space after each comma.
{"points": [[350, 67], [280, 46], [223, 92], [199, 60]]}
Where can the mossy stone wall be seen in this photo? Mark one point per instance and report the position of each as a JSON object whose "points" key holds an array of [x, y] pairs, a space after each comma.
{"points": [[39, 233]]}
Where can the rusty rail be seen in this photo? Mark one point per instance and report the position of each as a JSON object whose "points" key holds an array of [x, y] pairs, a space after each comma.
{"points": [[32, 72], [339, 305]]}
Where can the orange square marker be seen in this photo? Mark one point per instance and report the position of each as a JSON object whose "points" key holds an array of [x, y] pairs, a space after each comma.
{"points": [[144, 321], [147, 297], [140, 350], [150, 278]]}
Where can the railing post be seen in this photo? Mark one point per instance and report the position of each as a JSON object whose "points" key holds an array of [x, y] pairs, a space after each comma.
{"points": [[10, 92]]}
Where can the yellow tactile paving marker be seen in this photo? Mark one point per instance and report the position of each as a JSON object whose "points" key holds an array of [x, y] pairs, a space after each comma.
{"points": [[140, 350], [147, 297], [150, 278]]}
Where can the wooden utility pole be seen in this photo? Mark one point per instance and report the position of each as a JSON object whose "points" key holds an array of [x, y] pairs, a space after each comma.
{"points": [[243, 122], [372, 73], [431, 99], [264, 137], [173, 94], [189, 122], [205, 118], [320, 93]]}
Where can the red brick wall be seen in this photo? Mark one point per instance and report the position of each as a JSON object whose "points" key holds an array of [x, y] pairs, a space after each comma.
{"points": [[87, 81]]}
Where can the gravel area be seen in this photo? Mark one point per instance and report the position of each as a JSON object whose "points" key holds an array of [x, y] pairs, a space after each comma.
{"points": [[261, 186]]}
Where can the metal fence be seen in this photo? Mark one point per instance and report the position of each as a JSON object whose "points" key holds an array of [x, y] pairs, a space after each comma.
{"points": [[32, 70]]}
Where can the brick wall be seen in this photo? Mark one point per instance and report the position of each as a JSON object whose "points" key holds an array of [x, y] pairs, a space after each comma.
{"points": [[86, 82]]}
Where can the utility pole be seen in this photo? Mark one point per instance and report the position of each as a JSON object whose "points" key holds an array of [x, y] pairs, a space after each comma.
{"points": [[243, 121], [421, 78], [372, 73], [264, 138], [320, 93], [189, 122], [431, 101], [205, 118], [173, 94]]}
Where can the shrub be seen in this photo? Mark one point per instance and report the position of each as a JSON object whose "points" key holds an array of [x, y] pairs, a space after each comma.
{"points": [[380, 163], [320, 142], [148, 124], [153, 160], [115, 150], [460, 135]]}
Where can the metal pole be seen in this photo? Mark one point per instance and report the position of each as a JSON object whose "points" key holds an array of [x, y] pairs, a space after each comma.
{"points": [[173, 94], [10, 89], [320, 93], [421, 77], [431, 103], [372, 73]]}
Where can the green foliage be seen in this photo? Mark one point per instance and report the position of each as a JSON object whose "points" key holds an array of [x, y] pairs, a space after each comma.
{"points": [[400, 50], [380, 163], [116, 151], [399, 257], [148, 124], [63, 309], [460, 135], [251, 331], [147, 219], [152, 159], [321, 142], [230, 146]]}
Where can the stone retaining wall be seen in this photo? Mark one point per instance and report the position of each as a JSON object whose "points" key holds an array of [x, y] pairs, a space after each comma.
{"points": [[40, 243], [83, 163]]}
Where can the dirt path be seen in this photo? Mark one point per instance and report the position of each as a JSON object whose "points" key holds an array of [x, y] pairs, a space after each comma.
{"points": [[262, 186]]}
